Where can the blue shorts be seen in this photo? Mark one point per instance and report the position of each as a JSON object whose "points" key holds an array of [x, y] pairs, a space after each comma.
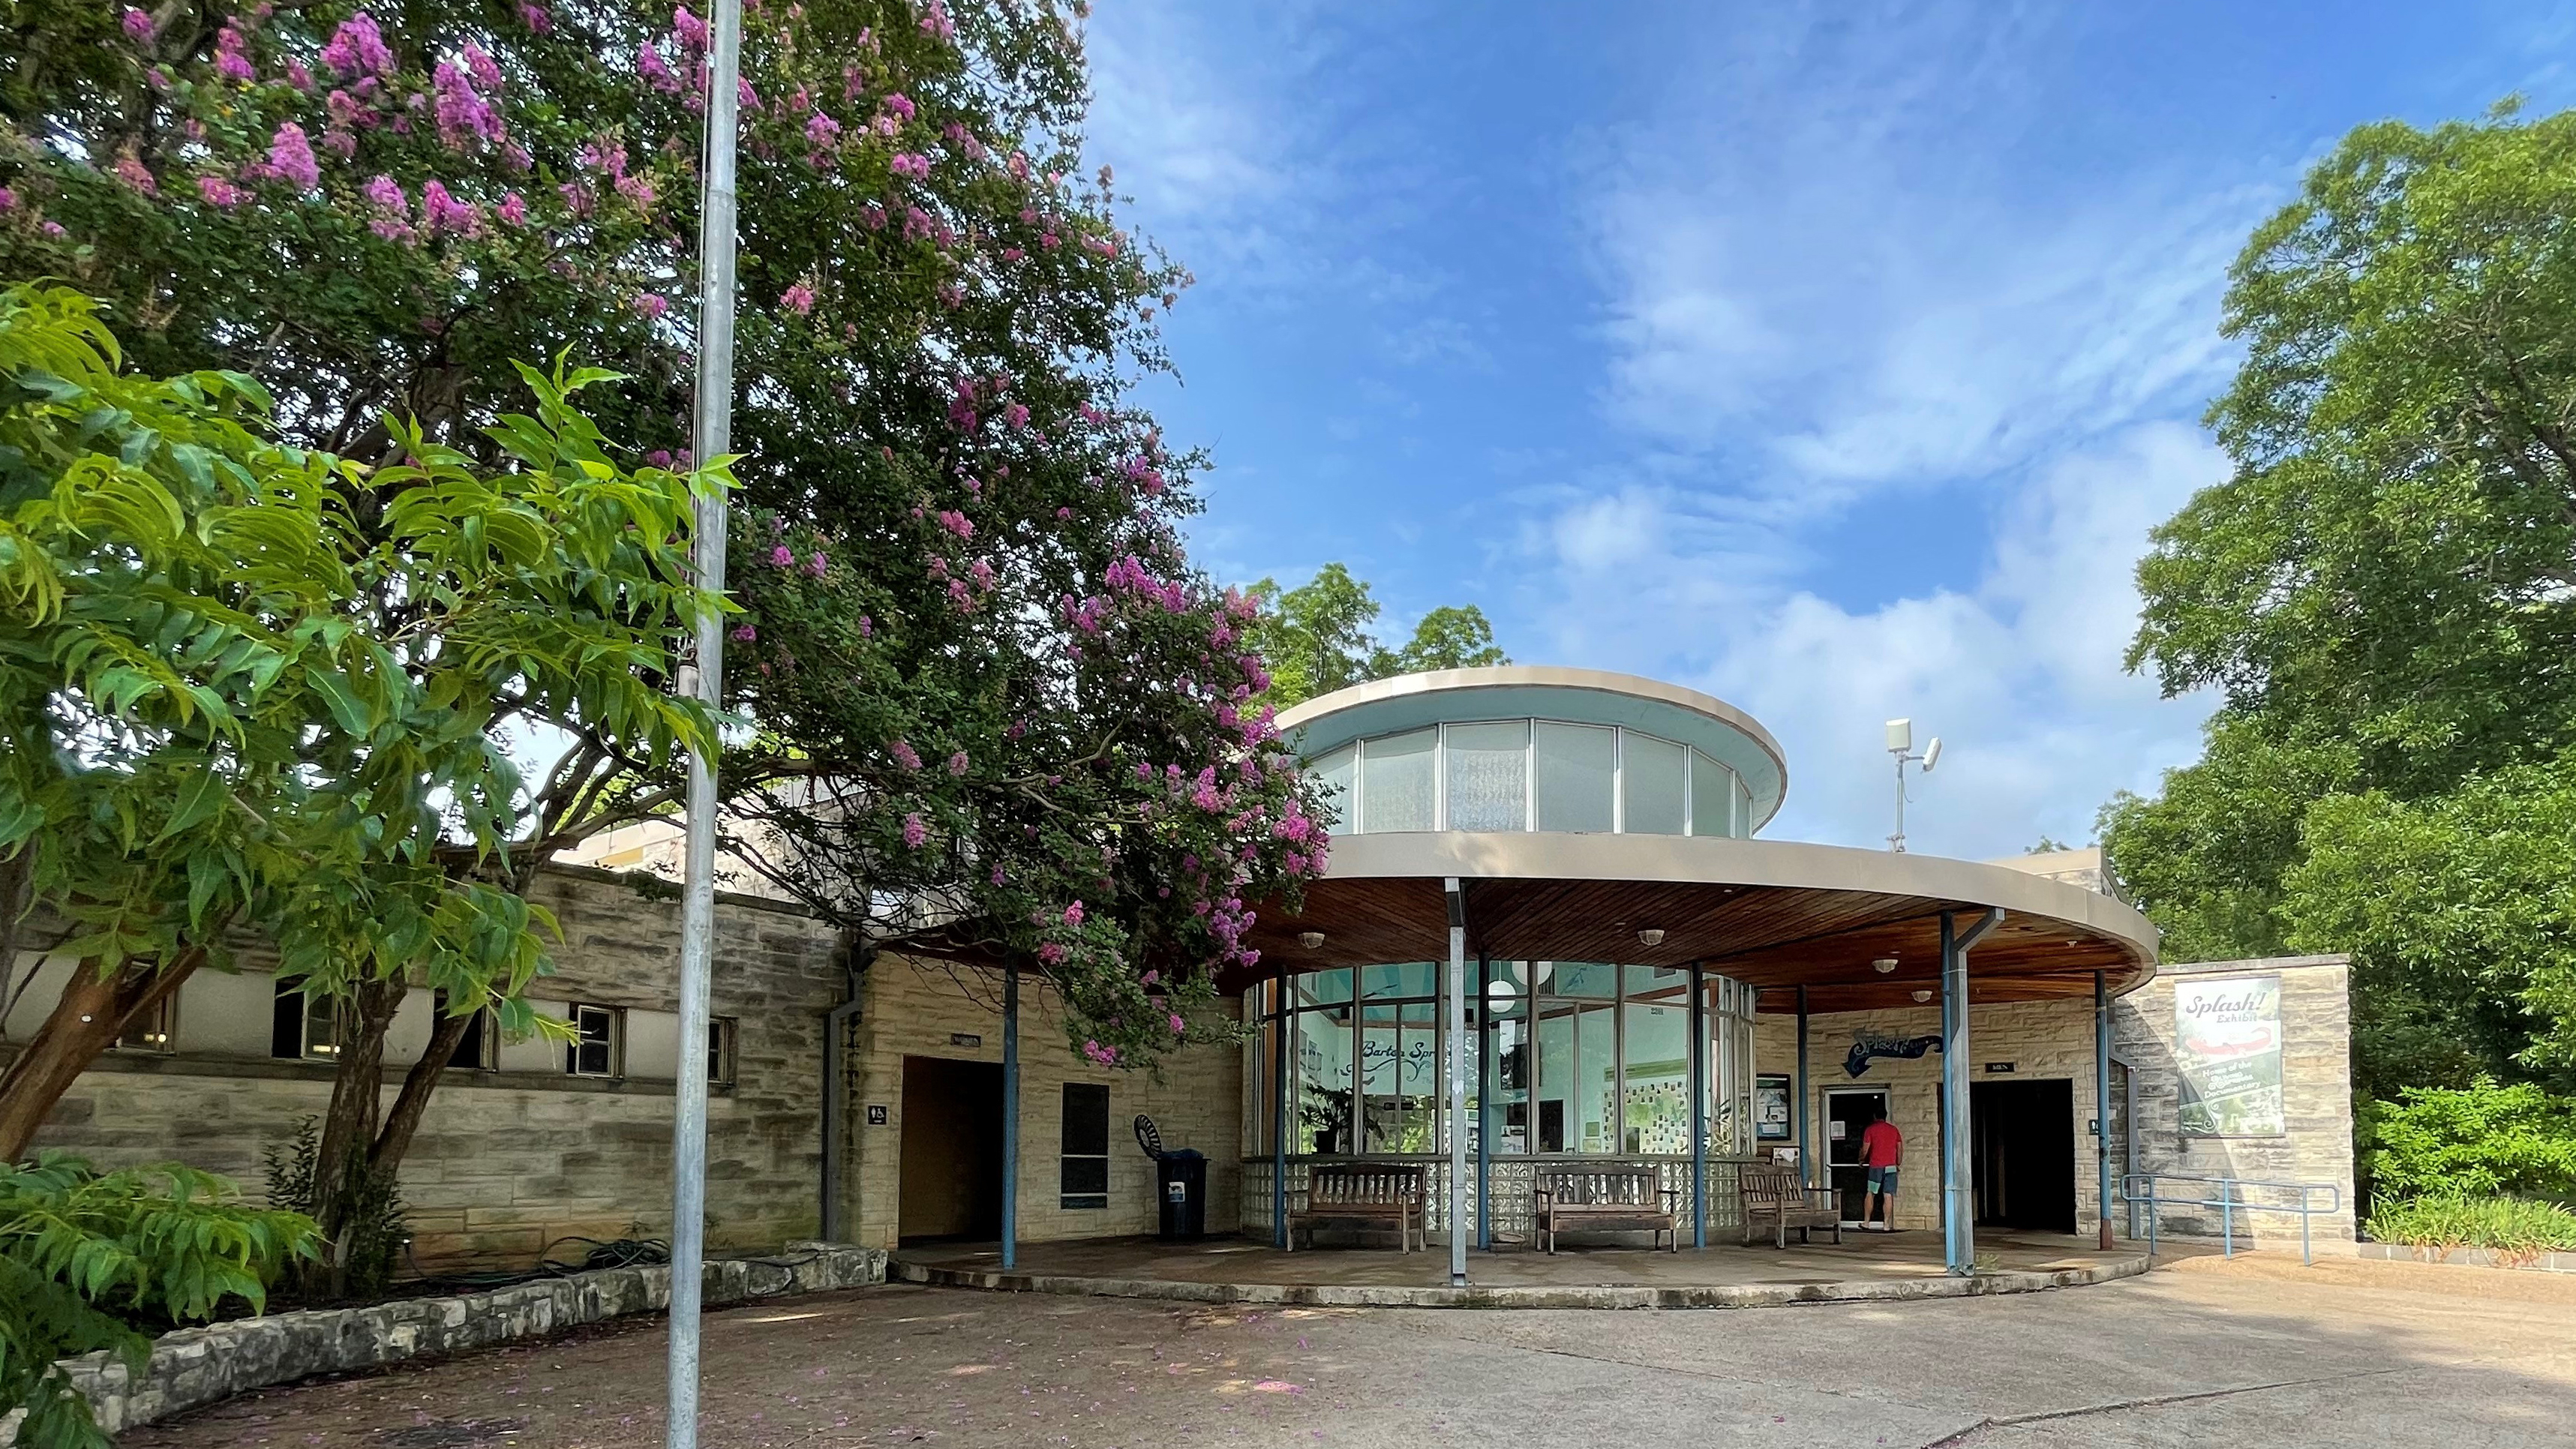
{"points": [[1883, 1179]]}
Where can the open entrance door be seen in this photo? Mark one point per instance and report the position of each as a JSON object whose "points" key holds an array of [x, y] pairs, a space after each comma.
{"points": [[2025, 1154], [952, 1150], [1848, 1113]]}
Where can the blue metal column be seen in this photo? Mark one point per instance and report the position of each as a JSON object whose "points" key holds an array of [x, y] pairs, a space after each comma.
{"points": [[1484, 1103], [1010, 1117], [1283, 1057], [2102, 1098], [1699, 1108], [1958, 1127], [1958, 1208], [1806, 1134]]}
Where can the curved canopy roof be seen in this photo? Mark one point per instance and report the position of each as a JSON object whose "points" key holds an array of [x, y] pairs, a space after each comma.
{"points": [[1777, 915], [1529, 691]]}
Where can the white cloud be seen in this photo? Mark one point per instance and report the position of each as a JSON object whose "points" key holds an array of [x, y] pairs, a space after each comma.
{"points": [[2019, 672]]}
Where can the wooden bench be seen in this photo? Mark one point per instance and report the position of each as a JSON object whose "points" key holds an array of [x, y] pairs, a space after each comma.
{"points": [[1774, 1193], [1613, 1197], [1364, 1193]]}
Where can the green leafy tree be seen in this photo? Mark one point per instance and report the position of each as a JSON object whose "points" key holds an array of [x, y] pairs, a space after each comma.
{"points": [[245, 686], [92, 1260], [1316, 637], [2481, 1139], [2381, 591]]}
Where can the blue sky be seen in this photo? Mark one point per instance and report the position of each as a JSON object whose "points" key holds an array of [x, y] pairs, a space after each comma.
{"points": [[1833, 358]]}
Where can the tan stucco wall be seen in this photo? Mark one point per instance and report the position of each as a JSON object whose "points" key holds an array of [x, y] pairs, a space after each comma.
{"points": [[914, 1009]]}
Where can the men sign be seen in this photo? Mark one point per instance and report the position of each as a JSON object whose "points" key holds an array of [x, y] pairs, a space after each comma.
{"points": [[2227, 1046]]}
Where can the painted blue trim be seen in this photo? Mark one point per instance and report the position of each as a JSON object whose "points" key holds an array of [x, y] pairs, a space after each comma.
{"points": [[1010, 1118]]}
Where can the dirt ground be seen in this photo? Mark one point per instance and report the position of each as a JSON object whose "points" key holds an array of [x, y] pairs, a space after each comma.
{"points": [[2255, 1351]]}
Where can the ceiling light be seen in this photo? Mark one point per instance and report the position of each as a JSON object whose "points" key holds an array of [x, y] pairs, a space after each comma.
{"points": [[1311, 940], [1922, 995], [1650, 937], [1883, 965]]}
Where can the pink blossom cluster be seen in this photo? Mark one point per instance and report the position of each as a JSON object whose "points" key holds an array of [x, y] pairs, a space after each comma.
{"points": [[232, 55], [358, 48]]}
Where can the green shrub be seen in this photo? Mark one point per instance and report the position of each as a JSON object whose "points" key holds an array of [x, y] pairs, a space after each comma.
{"points": [[2472, 1142], [92, 1260], [2515, 1227], [361, 1259]]}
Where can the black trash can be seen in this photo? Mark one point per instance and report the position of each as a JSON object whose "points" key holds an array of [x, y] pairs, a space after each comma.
{"points": [[1181, 1182]]}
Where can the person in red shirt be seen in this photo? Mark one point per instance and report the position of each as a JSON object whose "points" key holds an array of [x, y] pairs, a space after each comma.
{"points": [[1882, 1149]]}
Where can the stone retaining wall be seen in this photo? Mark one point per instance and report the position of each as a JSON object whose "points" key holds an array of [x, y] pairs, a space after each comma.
{"points": [[197, 1366]]}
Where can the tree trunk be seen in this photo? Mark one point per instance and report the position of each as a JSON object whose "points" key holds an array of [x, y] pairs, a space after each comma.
{"points": [[85, 1022], [413, 1101], [357, 1087]]}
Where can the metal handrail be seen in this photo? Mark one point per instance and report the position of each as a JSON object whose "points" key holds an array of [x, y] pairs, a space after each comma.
{"points": [[2229, 1202]]}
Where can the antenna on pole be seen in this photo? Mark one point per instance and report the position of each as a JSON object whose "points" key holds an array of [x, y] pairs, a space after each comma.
{"points": [[1900, 743]]}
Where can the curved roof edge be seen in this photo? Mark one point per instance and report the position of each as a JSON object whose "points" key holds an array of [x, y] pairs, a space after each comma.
{"points": [[1549, 676], [1682, 859]]}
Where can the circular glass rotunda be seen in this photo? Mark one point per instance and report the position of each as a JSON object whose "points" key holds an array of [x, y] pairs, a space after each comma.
{"points": [[1581, 852]]}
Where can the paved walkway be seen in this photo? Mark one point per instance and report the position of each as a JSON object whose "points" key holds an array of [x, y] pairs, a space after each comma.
{"points": [[2257, 1351], [1863, 1265]]}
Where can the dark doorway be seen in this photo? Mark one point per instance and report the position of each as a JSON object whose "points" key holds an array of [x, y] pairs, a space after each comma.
{"points": [[952, 1150], [1848, 1113], [2024, 1141]]}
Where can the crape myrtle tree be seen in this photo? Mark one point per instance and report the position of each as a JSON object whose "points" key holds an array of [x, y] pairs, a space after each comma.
{"points": [[959, 541], [2384, 595]]}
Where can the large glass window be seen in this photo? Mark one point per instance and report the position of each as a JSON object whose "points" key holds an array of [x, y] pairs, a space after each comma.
{"points": [[1580, 1057], [1575, 768], [1712, 797], [1488, 776], [1650, 785], [1397, 788], [1654, 1069]]}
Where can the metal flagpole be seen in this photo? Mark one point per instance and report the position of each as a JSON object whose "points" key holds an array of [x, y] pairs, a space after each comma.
{"points": [[703, 677]]}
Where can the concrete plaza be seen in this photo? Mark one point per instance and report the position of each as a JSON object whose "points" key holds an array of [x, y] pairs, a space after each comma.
{"points": [[2255, 1351]]}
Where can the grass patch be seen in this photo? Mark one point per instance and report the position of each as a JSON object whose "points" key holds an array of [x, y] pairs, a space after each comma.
{"points": [[2517, 1229]]}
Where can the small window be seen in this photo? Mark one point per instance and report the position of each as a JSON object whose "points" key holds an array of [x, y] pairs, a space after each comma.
{"points": [[593, 1050], [1083, 1177], [305, 1026], [479, 1050], [1333, 773], [149, 1030], [720, 1037], [1650, 785]]}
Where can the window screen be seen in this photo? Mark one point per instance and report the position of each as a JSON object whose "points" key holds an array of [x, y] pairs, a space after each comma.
{"points": [[1083, 1171]]}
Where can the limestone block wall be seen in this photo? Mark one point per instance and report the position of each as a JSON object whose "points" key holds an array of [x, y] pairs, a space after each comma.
{"points": [[2045, 1040], [2316, 1081], [510, 1160], [924, 1009]]}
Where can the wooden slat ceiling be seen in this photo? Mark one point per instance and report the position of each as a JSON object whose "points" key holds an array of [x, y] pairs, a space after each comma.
{"points": [[1775, 938]]}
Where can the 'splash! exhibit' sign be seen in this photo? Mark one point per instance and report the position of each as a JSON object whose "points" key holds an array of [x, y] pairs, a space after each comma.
{"points": [[2227, 1045]]}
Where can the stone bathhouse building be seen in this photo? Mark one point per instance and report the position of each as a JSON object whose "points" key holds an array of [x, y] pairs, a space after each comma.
{"points": [[1602, 819]]}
